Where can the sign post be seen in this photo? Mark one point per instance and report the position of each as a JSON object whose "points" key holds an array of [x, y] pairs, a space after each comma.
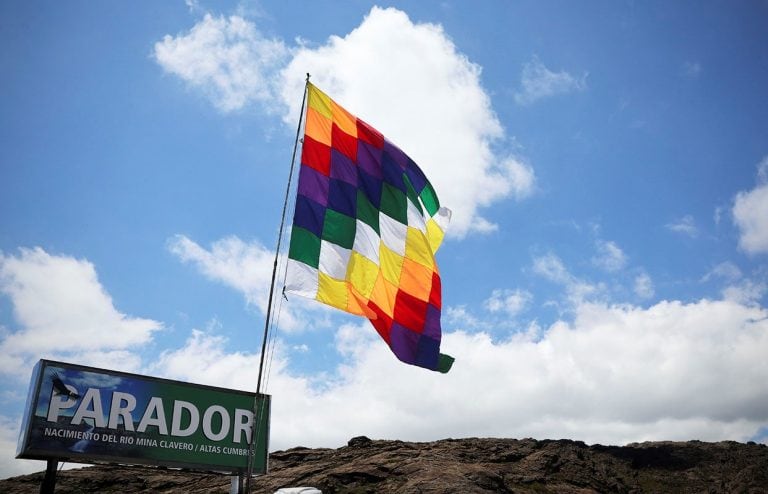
{"points": [[87, 415]]}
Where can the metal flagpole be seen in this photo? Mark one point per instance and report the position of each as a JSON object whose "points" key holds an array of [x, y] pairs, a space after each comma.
{"points": [[258, 407]]}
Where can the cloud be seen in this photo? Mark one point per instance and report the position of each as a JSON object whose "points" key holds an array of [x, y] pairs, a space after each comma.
{"points": [[204, 360], [407, 79], [613, 375], [511, 302], [63, 311], [750, 213], [227, 58], [246, 268], [538, 82], [551, 267], [725, 270], [296, 418], [685, 225], [610, 256], [745, 292], [459, 316], [423, 94], [643, 287], [9, 465]]}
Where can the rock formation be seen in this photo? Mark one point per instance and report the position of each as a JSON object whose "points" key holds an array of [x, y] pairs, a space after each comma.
{"points": [[458, 466]]}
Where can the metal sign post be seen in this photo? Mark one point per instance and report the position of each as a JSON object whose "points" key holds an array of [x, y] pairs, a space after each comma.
{"points": [[49, 481]]}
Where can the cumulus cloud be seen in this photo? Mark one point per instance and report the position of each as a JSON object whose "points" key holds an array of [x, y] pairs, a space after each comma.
{"points": [[745, 291], [247, 268], [727, 271], [538, 82], [609, 257], [63, 311], [10, 466], [750, 213], [426, 96], [511, 302], [204, 359], [685, 225], [225, 57], [615, 374], [643, 286], [552, 268], [407, 79]]}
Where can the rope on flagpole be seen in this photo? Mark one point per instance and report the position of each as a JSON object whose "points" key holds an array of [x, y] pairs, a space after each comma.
{"points": [[258, 408]]}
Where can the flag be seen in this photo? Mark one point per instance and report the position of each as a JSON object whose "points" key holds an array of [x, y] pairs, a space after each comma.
{"points": [[366, 226]]}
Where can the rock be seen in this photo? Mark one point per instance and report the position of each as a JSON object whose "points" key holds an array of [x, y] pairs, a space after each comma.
{"points": [[359, 442], [471, 465]]}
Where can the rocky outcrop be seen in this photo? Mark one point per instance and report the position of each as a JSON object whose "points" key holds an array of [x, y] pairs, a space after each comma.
{"points": [[459, 466]]}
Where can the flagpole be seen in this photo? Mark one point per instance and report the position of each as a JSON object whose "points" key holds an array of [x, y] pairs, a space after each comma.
{"points": [[257, 405]]}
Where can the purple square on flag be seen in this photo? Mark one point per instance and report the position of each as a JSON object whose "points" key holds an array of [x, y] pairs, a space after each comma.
{"points": [[396, 154], [369, 158], [309, 215], [371, 187], [393, 174], [428, 352], [432, 322], [343, 168], [342, 197], [404, 343], [416, 176], [313, 185]]}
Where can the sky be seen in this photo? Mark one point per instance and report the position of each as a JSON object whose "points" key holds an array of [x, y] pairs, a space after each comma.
{"points": [[605, 273]]}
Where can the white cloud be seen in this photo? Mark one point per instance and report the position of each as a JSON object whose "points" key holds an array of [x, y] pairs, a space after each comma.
{"points": [[203, 359], [64, 312], [643, 286], [750, 213], [512, 302], [685, 225], [225, 57], [551, 267], [538, 82], [408, 80], [247, 268], [725, 270], [616, 374], [610, 256], [423, 94], [745, 292], [9, 465], [522, 179], [459, 316]]}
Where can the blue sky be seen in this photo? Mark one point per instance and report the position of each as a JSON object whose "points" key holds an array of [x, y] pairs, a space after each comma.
{"points": [[604, 278]]}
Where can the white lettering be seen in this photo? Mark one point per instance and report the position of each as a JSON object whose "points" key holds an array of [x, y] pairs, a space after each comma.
{"points": [[207, 419], [117, 410], [243, 419], [154, 407], [194, 418], [90, 408], [142, 441]]}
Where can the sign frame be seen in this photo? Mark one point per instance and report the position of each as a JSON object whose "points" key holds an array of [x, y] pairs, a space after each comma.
{"points": [[90, 415]]}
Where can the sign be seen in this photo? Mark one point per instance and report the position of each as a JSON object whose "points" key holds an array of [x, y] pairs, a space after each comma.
{"points": [[88, 415]]}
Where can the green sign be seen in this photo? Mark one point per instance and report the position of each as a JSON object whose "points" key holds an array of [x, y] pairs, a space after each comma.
{"points": [[88, 415]]}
